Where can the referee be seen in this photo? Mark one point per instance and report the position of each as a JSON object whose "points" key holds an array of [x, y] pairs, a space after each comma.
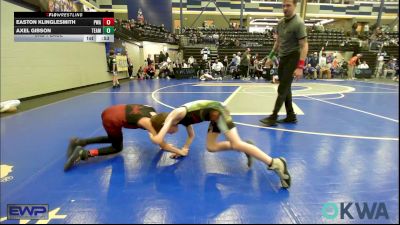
{"points": [[292, 47]]}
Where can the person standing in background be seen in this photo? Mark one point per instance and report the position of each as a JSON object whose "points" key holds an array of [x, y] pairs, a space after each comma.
{"points": [[112, 63]]}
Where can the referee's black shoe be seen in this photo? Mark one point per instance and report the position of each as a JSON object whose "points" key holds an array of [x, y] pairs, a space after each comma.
{"points": [[269, 121], [288, 119]]}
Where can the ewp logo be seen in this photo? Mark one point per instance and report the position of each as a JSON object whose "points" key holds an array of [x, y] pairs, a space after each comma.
{"points": [[27, 212], [331, 211]]}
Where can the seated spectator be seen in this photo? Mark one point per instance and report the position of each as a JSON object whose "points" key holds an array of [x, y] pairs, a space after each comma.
{"points": [[205, 52], [238, 58], [149, 71], [226, 62], [232, 67], [363, 65], [184, 64], [217, 67], [336, 70], [258, 69], [391, 67], [191, 61], [323, 66], [274, 71], [310, 72], [140, 73], [164, 70]]}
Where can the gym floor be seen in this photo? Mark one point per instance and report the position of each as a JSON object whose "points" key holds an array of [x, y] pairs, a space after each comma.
{"points": [[343, 150]]}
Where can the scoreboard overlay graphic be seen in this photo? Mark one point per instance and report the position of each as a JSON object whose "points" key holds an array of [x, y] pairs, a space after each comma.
{"points": [[64, 27]]}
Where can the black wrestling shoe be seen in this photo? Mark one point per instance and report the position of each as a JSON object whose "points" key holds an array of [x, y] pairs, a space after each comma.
{"points": [[249, 157], [269, 121], [78, 155], [288, 119]]}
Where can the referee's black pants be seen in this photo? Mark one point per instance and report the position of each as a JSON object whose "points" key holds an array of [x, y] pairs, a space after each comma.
{"points": [[287, 66]]}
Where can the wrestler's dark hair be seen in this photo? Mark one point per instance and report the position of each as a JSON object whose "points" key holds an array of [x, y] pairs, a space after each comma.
{"points": [[158, 120]]}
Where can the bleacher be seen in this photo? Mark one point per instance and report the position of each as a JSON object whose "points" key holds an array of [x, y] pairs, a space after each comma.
{"points": [[228, 41], [229, 51], [261, 43], [246, 39], [334, 38], [195, 52], [228, 36], [143, 32], [392, 51]]}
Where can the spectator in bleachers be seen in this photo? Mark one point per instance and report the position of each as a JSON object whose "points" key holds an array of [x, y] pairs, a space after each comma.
{"points": [[329, 58], [191, 61], [139, 73], [184, 64], [335, 68], [354, 29], [215, 38], [161, 57], [130, 66], [149, 61], [366, 29], [391, 67], [179, 57], [238, 58], [237, 43], [205, 52], [310, 72], [258, 68], [171, 38], [162, 28], [150, 71], [313, 60], [381, 62], [232, 67], [274, 71], [176, 67], [113, 67], [254, 57], [164, 70], [363, 65], [225, 62], [323, 65], [217, 67], [233, 61], [140, 17], [377, 34]]}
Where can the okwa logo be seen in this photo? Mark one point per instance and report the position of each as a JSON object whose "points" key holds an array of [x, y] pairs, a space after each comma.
{"points": [[5, 170], [376, 210]]}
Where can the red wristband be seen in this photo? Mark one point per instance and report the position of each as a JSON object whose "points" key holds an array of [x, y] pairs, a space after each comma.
{"points": [[300, 64]]}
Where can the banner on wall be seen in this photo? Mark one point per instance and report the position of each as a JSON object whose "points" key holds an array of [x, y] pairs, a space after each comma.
{"points": [[122, 64]]}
